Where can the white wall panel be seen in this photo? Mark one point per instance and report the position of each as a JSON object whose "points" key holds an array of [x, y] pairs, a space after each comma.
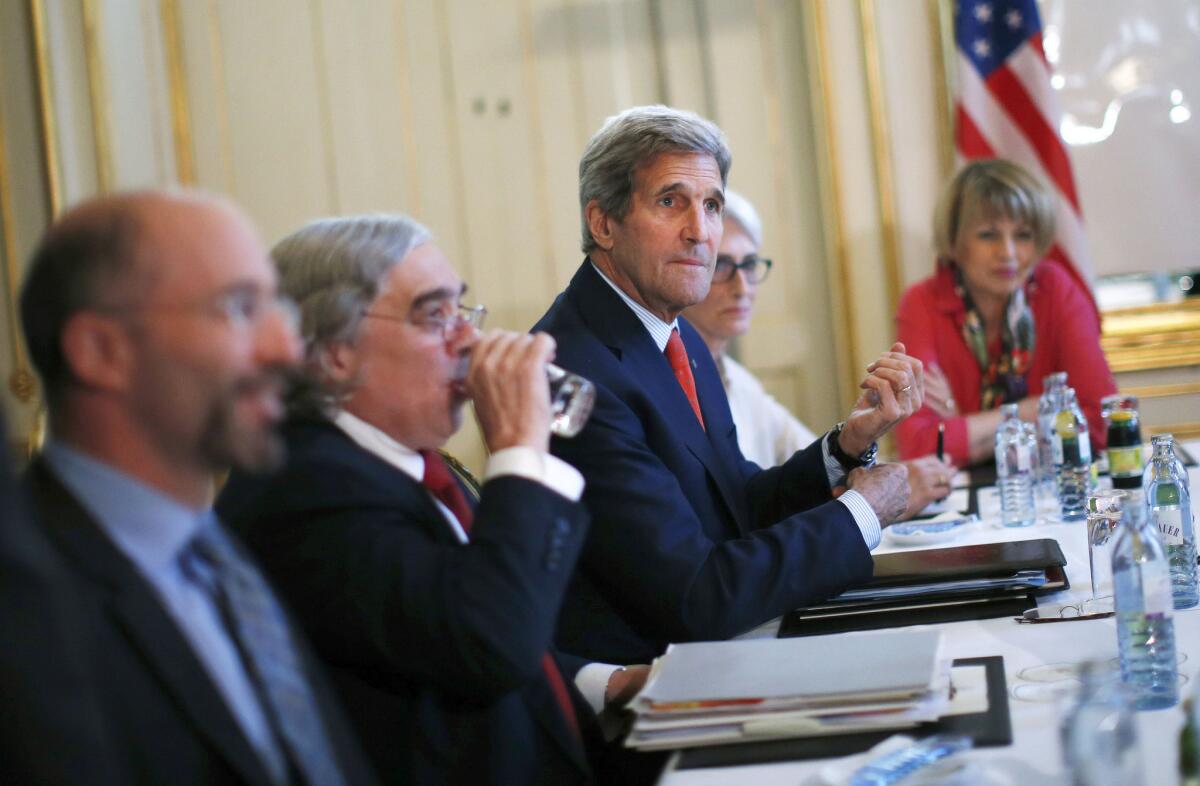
{"points": [[281, 157]]}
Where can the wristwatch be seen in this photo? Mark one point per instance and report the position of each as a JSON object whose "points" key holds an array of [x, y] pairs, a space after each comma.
{"points": [[847, 461]]}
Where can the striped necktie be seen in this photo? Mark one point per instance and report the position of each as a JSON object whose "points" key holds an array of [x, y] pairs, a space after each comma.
{"points": [[261, 633]]}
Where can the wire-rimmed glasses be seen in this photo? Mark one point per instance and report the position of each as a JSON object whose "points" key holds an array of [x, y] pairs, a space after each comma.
{"points": [[447, 323], [571, 396]]}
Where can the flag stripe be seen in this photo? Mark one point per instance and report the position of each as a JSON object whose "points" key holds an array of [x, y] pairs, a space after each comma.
{"points": [[1026, 114], [970, 139]]}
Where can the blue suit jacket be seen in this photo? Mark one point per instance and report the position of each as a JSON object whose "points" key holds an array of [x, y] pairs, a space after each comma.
{"points": [[689, 540]]}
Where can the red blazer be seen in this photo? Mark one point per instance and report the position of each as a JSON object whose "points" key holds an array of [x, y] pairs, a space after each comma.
{"points": [[929, 322]]}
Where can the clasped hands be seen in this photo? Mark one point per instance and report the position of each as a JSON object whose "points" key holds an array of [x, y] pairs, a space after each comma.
{"points": [[893, 389]]}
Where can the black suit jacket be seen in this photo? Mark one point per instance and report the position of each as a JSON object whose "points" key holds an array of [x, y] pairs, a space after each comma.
{"points": [[164, 717], [435, 645], [52, 731], [690, 541]]}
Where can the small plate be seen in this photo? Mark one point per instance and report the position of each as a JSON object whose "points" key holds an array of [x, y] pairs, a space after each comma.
{"points": [[939, 529]]}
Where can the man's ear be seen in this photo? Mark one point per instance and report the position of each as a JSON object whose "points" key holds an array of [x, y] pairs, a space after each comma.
{"points": [[99, 351], [339, 362], [600, 224]]}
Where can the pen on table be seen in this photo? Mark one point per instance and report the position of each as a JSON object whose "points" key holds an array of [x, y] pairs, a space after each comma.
{"points": [[941, 441]]}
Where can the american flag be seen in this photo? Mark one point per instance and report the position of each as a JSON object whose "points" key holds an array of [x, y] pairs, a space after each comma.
{"points": [[1006, 108]]}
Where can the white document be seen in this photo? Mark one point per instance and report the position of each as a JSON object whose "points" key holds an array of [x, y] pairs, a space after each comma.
{"points": [[812, 670]]}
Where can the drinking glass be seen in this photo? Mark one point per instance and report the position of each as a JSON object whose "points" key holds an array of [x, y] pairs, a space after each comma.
{"points": [[571, 400], [571, 396], [1103, 519]]}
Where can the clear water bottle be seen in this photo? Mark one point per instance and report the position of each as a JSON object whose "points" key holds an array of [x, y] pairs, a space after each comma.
{"points": [[1072, 457], [1142, 599], [1016, 468], [1048, 406], [1180, 469], [1099, 736], [1170, 505]]}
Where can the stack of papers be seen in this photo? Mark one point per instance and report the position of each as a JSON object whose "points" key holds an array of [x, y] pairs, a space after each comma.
{"points": [[711, 693]]}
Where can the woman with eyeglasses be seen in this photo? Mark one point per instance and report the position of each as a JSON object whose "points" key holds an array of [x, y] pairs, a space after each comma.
{"points": [[768, 433], [996, 317]]}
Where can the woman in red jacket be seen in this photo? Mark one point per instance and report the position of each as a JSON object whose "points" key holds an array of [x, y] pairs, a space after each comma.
{"points": [[996, 318]]}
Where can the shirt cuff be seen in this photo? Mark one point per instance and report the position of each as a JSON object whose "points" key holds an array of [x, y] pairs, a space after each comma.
{"points": [[551, 471], [833, 467], [592, 682], [864, 516]]}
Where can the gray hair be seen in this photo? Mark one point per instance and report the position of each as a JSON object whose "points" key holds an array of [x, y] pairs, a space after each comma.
{"points": [[739, 209], [631, 140], [334, 268]]}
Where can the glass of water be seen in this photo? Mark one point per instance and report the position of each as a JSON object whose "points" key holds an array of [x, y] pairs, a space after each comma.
{"points": [[1103, 519], [571, 400]]}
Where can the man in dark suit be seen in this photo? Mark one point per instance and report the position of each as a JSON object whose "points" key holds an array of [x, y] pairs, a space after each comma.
{"points": [[153, 322], [689, 540], [43, 665], [433, 615]]}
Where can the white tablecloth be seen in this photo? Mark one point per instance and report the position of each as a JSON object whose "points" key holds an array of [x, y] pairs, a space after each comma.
{"points": [[1035, 756]]}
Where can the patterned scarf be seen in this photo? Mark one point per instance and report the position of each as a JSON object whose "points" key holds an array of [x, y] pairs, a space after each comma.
{"points": [[1003, 378]]}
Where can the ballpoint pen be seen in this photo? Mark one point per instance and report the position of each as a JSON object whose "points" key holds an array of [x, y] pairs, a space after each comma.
{"points": [[941, 441]]}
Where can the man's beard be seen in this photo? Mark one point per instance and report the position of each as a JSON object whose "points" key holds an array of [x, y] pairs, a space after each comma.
{"points": [[226, 443]]}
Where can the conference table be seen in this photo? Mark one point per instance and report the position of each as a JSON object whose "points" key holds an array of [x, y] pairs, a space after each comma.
{"points": [[1036, 707]]}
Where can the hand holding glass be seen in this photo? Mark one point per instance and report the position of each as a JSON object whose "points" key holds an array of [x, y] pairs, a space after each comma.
{"points": [[571, 396]]}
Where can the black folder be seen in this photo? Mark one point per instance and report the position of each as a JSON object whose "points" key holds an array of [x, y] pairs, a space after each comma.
{"points": [[938, 567], [992, 728]]}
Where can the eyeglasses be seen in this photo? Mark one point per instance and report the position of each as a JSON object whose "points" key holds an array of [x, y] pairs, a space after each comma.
{"points": [[1088, 609], [754, 268], [246, 309], [446, 323], [241, 307]]}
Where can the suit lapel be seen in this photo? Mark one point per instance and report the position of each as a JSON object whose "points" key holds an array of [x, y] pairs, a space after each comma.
{"points": [[619, 328], [397, 488], [148, 625]]}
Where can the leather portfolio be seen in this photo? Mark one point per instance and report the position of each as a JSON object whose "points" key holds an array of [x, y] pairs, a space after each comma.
{"points": [[930, 586]]}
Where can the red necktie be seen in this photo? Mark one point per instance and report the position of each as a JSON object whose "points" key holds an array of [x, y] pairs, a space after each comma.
{"points": [[442, 485], [678, 357]]}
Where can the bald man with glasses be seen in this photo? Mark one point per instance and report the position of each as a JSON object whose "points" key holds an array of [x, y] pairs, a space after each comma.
{"points": [[153, 321]]}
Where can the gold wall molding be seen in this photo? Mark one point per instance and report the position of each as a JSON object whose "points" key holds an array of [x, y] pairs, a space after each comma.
{"points": [[881, 150], [945, 59], [98, 92], [1181, 431], [48, 126], [831, 188], [1163, 390], [224, 128], [21, 382], [1152, 337], [181, 123]]}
